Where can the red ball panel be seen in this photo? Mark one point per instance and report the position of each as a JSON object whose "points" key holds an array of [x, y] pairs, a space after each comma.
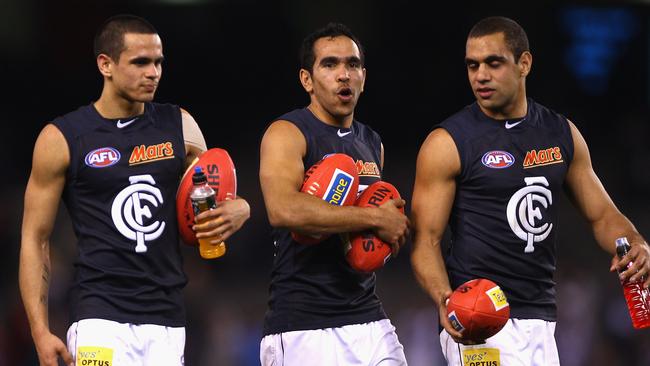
{"points": [[366, 252]]}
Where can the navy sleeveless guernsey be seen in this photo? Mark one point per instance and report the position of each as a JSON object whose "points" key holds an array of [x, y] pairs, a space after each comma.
{"points": [[313, 286], [504, 218], [120, 193]]}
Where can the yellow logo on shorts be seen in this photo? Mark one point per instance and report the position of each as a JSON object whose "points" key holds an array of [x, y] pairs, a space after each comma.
{"points": [[94, 356], [498, 297], [481, 357]]}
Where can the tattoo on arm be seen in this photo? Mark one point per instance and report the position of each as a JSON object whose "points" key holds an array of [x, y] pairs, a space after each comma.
{"points": [[46, 284]]}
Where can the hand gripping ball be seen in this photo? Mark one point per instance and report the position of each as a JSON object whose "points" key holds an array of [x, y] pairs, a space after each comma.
{"points": [[478, 309], [220, 171], [365, 252]]}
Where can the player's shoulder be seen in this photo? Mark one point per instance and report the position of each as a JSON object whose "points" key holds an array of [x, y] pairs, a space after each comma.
{"points": [[51, 149], [466, 115], [50, 134], [77, 122], [465, 125], [82, 113], [438, 139], [158, 110], [545, 114], [296, 116], [296, 123], [283, 131]]}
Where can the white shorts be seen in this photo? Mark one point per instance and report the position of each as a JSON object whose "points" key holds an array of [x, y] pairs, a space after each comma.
{"points": [[99, 342], [521, 342], [365, 344]]}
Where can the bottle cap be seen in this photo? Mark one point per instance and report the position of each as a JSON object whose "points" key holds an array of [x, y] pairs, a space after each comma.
{"points": [[199, 177], [620, 242]]}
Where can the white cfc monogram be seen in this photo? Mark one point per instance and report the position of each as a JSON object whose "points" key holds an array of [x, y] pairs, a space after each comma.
{"points": [[132, 206], [524, 214]]}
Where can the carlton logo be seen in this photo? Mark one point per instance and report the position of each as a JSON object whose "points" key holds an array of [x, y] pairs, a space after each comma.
{"points": [[102, 157], [498, 159], [339, 187]]}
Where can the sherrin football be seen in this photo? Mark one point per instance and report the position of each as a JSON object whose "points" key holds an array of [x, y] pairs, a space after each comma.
{"points": [[365, 252], [478, 309], [220, 171], [333, 179]]}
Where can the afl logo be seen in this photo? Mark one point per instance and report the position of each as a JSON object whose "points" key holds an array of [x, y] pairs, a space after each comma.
{"points": [[102, 157], [498, 159]]}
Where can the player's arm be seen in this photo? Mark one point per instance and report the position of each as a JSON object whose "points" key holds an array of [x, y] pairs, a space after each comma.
{"points": [[46, 181], [281, 175], [607, 222], [230, 215], [395, 247], [194, 141], [438, 164]]}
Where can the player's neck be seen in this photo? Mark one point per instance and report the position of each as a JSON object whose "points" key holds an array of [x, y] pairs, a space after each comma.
{"points": [[518, 109], [110, 105], [328, 118]]}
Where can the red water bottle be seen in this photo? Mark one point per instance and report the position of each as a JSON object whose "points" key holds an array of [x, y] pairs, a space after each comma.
{"points": [[636, 296]]}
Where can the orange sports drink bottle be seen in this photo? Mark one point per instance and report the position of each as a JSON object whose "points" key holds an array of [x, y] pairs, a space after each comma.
{"points": [[203, 198], [636, 296]]}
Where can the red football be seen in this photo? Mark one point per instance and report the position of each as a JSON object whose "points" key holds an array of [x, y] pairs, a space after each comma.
{"points": [[333, 179], [478, 309], [220, 170], [365, 251]]}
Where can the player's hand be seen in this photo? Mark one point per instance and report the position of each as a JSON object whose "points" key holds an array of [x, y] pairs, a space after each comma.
{"points": [[639, 255], [223, 221], [444, 320], [393, 225], [49, 347], [445, 323]]}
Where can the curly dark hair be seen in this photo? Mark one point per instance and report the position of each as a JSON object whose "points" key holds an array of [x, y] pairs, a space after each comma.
{"points": [[307, 55]]}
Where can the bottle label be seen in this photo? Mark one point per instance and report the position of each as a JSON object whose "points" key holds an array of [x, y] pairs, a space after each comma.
{"points": [[203, 204]]}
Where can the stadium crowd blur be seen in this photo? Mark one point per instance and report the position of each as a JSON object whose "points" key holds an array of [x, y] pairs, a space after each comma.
{"points": [[234, 65]]}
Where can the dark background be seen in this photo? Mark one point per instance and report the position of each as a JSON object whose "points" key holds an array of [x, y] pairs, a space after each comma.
{"points": [[234, 66]]}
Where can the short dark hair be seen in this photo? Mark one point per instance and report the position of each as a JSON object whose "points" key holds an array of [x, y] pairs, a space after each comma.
{"points": [[515, 36], [331, 30], [109, 39]]}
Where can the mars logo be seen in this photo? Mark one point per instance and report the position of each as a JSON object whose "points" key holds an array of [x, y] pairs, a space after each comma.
{"points": [[102, 157], [147, 154], [367, 168], [132, 206], [338, 188], [524, 209], [497, 159], [535, 158]]}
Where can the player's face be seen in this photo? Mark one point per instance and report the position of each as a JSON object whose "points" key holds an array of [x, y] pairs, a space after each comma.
{"points": [[136, 75], [498, 82], [337, 79]]}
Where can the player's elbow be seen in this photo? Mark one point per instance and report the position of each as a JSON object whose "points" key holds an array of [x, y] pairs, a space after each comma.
{"points": [[287, 218], [279, 218]]}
